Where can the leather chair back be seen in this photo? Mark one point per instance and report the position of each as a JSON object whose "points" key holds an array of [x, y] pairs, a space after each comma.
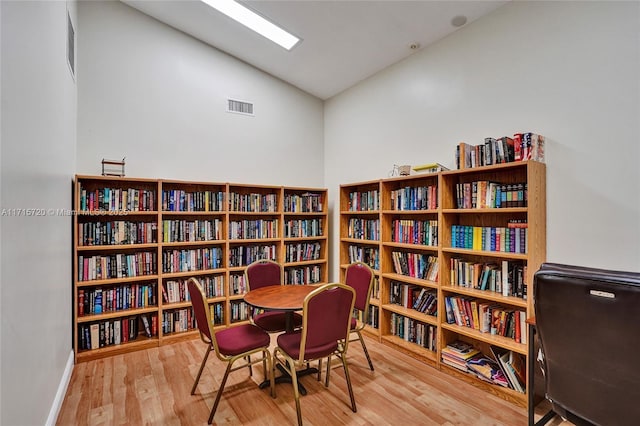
{"points": [[588, 323]]}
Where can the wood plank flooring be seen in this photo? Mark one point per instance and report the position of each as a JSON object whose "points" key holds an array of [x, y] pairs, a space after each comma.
{"points": [[152, 387]]}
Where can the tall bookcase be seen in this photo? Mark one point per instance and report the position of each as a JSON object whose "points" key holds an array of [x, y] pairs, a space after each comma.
{"points": [[435, 221], [137, 241]]}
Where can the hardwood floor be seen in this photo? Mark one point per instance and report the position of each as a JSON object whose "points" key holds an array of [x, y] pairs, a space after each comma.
{"points": [[152, 387]]}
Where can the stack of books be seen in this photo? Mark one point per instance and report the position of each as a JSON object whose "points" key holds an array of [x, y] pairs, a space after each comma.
{"points": [[457, 353], [487, 370]]}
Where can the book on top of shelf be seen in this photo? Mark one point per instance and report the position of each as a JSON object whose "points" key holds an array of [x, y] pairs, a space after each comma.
{"points": [[429, 168]]}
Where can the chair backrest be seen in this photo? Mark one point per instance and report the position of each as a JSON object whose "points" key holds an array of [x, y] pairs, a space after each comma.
{"points": [[263, 273], [359, 276], [588, 323], [200, 310], [326, 320]]}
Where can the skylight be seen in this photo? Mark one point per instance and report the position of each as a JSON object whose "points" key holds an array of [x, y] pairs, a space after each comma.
{"points": [[252, 20]]}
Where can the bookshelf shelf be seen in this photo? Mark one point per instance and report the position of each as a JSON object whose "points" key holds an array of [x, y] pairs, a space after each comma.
{"points": [[400, 217], [187, 228], [116, 314]]}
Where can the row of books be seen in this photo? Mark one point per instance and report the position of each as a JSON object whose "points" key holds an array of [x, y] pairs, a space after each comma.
{"points": [[421, 299], [362, 201], [213, 286], [510, 239], [303, 228], [94, 301], [239, 311], [305, 203], [368, 255], [116, 233], [119, 265], [413, 331], [178, 200], [237, 284], [520, 147], [191, 230], [216, 311], [374, 316], [117, 199], [303, 275], [253, 229], [175, 291], [486, 317], [302, 252], [246, 254], [503, 367], [363, 229], [506, 278], [115, 332], [191, 259], [253, 202], [415, 265], [485, 194], [415, 198], [411, 231], [178, 320]]}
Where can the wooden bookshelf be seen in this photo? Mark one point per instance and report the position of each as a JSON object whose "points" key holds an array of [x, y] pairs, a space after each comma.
{"points": [[182, 229], [405, 217]]}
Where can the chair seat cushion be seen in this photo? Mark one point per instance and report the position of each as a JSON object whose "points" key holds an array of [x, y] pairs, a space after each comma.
{"points": [[242, 338], [274, 321], [290, 344]]}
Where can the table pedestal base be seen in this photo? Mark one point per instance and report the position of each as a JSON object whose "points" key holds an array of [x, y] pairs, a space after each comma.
{"points": [[286, 378]]}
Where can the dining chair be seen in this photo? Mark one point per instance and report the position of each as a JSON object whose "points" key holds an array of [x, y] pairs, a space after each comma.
{"points": [[360, 277], [263, 273], [325, 330], [230, 344]]}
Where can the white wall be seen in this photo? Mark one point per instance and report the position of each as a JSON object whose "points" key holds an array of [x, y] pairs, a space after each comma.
{"points": [[38, 159], [158, 97], [567, 70]]}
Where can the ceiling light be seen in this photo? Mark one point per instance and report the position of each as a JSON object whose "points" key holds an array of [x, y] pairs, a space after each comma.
{"points": [[252, 20]]}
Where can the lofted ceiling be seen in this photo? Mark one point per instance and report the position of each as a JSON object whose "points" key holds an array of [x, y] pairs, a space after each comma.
{"points": [[343, 42]]}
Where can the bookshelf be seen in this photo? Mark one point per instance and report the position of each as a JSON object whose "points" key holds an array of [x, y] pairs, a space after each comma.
{"points": [[137, 241], [360, 208], [424, 224]]}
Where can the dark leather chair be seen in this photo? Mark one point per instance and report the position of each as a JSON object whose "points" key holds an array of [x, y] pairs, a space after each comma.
{"points": [[588, 325]]}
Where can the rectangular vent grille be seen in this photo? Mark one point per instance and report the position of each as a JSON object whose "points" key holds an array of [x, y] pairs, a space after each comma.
{"points": [[239, 107]]}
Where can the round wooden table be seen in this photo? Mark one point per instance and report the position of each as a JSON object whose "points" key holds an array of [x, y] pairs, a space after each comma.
{"points": [[287, 298]]}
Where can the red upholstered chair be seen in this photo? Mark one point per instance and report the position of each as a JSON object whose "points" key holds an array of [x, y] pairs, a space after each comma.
{"points": [[263, 273], [359, 276], [325, 330], [230, 345]]}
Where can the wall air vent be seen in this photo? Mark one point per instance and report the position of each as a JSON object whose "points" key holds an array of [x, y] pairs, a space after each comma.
{"points": [[239, 107]]}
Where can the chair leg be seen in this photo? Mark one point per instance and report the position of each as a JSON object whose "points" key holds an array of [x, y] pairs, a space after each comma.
{"points": [[319, 368], [219, 394], [204, 361], [269, 371], [326, 378], [343, 358], [250, 366], [296, 393], [364, 347]]}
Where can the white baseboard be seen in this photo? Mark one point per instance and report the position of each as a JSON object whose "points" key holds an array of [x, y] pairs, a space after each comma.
{"points": [[62, 390]]}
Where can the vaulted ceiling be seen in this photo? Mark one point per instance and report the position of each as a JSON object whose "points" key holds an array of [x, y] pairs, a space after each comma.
{"points": [[343, 42]]}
